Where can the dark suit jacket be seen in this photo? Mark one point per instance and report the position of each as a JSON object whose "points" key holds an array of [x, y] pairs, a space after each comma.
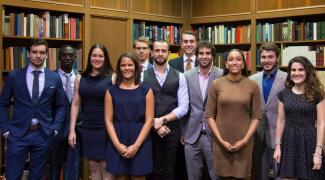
{"points": [[49, 110], [66, 123], [178, 63]]}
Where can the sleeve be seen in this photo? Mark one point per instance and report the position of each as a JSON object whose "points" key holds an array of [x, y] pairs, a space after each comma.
{"points": [[182, 96], [5, 99], [60, 102], [212, 101], [256, 103], [281, 95]]}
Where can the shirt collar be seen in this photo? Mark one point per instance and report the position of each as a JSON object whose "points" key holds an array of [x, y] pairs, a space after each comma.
{"points": [[145, 64], [272, 74], [31, 68], [185, 58], [198, 70], [167, 68], [60, 71]]}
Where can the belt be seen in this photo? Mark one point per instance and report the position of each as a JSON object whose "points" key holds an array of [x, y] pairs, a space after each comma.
{"points": [[34, 127]]}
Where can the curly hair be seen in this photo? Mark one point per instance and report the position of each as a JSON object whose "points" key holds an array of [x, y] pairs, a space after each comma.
{"points": [[313, 87]]}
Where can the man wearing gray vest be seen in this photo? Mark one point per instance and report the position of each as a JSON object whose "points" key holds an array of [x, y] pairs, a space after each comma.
{"points": [[171, 104], [197, 135]]}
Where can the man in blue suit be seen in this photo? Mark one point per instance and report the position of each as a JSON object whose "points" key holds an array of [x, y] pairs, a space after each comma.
{"points": [[141, 49], [38, 113], [188, 60], [61, 151]]}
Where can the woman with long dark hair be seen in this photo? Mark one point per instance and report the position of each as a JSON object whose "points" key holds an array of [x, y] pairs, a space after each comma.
{"points": [[233, 115], [89, 93], [300, 123]]}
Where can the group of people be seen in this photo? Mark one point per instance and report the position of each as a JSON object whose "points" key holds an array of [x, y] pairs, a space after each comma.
{"points": [[135, 123]]}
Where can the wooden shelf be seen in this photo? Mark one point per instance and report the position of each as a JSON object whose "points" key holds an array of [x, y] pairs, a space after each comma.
{"points": [[47, 39]]}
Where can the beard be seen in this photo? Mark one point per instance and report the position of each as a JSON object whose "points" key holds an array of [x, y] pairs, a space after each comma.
{"points": [[160, 63]]}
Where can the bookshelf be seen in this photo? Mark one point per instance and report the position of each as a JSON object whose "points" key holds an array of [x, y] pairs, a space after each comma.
{"points": [[21, 24], [270, 21]]}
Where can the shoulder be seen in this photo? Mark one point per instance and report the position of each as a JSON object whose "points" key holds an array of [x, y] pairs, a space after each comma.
{"points": [[256, 76], [217, 71], [176, 60], [52, 74], [251, 83], [190, 72], [282, 73]]}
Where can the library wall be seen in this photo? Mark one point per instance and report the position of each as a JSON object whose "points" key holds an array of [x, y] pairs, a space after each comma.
{"points": [[159, 7], [264, 5], [111, 4], [113, 34]]}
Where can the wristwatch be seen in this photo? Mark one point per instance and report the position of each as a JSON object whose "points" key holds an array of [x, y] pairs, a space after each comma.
{"points": [[165, 121]]}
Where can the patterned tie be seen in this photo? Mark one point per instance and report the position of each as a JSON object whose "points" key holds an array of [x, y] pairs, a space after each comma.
{"points": [[188, 64], [68, 88], [35, 90]]}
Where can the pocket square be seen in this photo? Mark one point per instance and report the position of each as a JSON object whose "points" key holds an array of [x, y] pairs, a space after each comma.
{"points": [[52, 87]]}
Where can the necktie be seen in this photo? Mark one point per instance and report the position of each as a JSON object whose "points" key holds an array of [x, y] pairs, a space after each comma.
{"points": [[68, 88], [188, 64], [35, 90]]}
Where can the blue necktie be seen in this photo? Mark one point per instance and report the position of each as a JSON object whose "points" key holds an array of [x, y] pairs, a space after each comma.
{"points": [[35, 90]]}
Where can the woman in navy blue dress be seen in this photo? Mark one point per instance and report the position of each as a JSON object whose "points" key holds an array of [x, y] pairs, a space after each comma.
{"points": [[129, 114], [300, 124], [89, 92]]}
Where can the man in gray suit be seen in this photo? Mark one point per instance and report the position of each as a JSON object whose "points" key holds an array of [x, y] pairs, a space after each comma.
{"points": [[197, 135], [270, 81]]}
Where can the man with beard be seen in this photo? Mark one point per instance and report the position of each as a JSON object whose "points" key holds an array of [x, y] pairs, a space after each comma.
{"points": [[171, 104], [61, 151], [197, 135], [270, 81], [188, 60]]}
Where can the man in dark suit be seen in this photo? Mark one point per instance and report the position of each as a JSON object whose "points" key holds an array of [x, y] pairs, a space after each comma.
{"points": [[188, 60], [270, 81], [38, 113], [141, 49], [197, 135], [171, 104], [61, 151]]}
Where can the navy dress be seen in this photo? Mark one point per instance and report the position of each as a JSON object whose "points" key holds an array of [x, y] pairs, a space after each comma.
{"points": [[92, 91], [299, 137], [129, 117]]}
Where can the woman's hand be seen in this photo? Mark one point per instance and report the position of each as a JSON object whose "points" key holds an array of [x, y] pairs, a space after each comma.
{"points": [[226, 145], [122, 149], [277, 154], [317, 160], [237, 146], [131, 151], [72, 139]]}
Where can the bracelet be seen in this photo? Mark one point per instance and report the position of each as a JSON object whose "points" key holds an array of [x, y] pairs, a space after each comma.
{"points": [[278, 142], [319, 145], [317, 155]]}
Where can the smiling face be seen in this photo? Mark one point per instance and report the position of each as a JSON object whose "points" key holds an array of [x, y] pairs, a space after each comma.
{"points": [[188, 44], [297, 73], [97, 59], [205, 57], [127, 68], [269, 60], [235, 62]]}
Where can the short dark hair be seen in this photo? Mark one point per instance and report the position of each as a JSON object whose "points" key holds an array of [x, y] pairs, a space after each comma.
{"points": [[37, 42], [142, 39], [137, 73], [205, 44], [107, 68], [160, 41], [67, 46], [189, 33], [270, 47], [244, 71]]}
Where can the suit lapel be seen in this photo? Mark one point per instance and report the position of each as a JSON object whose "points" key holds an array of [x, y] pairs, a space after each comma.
{"points": [[275, 87], [195, 76], [181, 64], [260, 85], [46, 83], [24, 72]]}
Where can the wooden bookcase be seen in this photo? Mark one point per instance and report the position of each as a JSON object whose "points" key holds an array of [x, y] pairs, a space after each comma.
{"points": [[256, 12]]}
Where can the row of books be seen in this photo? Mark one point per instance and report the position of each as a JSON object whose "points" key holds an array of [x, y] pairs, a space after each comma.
{"points": [[170, 33], [223, 34], [290, 31], [16, 57], [219, 61], [42, 26], [314, 53]]}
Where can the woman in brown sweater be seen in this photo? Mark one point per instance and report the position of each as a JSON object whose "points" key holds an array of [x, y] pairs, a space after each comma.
{"points": [[233, 113]]}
